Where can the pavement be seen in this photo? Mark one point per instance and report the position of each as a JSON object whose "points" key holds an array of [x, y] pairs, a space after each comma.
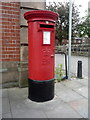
{"points": [[70, 101]]}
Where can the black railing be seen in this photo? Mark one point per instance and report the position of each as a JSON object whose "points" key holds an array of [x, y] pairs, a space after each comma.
{"points": [[66, 77]]}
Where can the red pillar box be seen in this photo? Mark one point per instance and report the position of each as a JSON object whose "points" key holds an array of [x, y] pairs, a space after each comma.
{"points": [[41, 41]]}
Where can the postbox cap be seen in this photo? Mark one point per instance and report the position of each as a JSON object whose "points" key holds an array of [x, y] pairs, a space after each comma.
{"points": [[41, 15]]}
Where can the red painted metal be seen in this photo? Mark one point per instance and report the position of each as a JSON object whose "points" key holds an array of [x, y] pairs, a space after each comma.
{"points": [[40, 15], [40, 55]]}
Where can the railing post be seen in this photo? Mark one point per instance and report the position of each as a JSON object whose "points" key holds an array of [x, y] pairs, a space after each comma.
{"points": [[66, 65], [79, 69]]}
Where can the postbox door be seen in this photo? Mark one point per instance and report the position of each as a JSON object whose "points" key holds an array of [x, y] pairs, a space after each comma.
{"points": [[47, 51], [41, 51]]}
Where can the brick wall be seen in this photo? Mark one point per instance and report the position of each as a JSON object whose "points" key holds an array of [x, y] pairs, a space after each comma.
{"points": [[10, 25], [0, 31], [9, 41]]}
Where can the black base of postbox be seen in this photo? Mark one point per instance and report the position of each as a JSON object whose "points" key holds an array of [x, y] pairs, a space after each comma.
{"points": [[40, 91]]}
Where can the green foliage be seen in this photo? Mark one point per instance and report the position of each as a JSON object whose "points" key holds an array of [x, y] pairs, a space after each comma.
{"points": [[62, 25], [59, 72], [84, 27]]}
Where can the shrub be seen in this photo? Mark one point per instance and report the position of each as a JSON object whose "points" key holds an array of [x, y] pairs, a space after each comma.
{"points": [[59, 72]]}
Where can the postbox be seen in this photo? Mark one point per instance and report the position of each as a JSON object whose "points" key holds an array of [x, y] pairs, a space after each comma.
{"points": [[41, 42]]}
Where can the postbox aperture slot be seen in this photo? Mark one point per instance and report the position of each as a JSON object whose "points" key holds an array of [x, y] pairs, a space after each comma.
{"points": [[46, 26]]}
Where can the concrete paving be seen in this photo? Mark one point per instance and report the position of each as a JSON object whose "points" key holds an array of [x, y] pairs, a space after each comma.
{"points": [[70, 101]]}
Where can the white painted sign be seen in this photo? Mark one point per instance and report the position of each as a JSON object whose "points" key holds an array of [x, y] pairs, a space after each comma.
{"points": [[46, 37]]}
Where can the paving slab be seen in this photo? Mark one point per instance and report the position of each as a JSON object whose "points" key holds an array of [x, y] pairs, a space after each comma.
{"points": [[28, 113], [7, 115], [26, 108], [0, 106], [81, 106], [57, 108], [5, 105], [83, 81], [0, 116], [18, 93], [52, 104], [88, 110], [62, 111], [72, 84], [5, 93], [82, 91], [51, 109], [65, 93], [77, 86], [0, 93], [25, 104]]}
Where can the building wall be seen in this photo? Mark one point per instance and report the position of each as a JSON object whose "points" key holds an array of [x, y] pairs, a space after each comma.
{"points": [[10, 31], [14, 41], [10, 26]]}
